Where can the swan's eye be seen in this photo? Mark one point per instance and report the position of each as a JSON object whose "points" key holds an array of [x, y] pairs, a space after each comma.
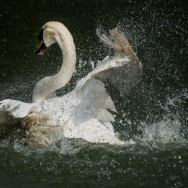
{"points": [[40, 36]]}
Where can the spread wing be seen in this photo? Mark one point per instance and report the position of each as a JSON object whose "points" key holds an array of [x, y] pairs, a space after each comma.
{"points": [[123, 70]]}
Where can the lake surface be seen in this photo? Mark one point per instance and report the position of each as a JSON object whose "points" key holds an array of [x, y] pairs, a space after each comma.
{"points": [[154, 114]]}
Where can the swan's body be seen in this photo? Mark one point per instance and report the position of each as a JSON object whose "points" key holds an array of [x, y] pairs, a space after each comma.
{"points": [[82, 113]]}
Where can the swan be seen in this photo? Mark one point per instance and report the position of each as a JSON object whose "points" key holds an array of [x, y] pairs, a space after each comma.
{"points": [[84, 113]]}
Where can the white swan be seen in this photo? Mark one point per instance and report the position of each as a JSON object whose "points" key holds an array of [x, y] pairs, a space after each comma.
{"points": [[82, 113]]}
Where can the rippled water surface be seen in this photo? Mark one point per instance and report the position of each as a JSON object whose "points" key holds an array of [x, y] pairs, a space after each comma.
{"points": [[154, 114]]}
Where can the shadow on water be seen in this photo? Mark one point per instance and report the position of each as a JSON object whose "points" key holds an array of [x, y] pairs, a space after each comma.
{"points": [[154, 114]]}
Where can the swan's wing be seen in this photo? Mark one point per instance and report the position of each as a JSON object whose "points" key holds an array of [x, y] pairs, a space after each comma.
{"points": [[123, 70], [120, 44], [109, 64], [11, 110], [89, 117]]}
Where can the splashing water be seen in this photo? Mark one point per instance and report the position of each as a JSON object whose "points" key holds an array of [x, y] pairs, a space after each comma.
{"points": [[169, 130], [163, 132]]}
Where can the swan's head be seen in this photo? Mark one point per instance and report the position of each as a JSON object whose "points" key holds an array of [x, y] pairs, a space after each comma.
{"points": [[48, 36]]}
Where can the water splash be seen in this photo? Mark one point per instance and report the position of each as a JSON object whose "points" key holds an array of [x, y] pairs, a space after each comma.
{"points": [[170, 130], [165, 132]]}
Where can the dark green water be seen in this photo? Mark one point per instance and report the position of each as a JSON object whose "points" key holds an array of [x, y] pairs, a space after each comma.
{"points": [[154, 114]]}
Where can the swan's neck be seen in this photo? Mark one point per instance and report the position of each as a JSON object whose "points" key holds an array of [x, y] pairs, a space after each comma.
{"points": [[68, 65], [50, 84]]}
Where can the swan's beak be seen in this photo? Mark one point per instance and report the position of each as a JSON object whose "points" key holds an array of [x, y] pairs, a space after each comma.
{"points": [[41, 48]]}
